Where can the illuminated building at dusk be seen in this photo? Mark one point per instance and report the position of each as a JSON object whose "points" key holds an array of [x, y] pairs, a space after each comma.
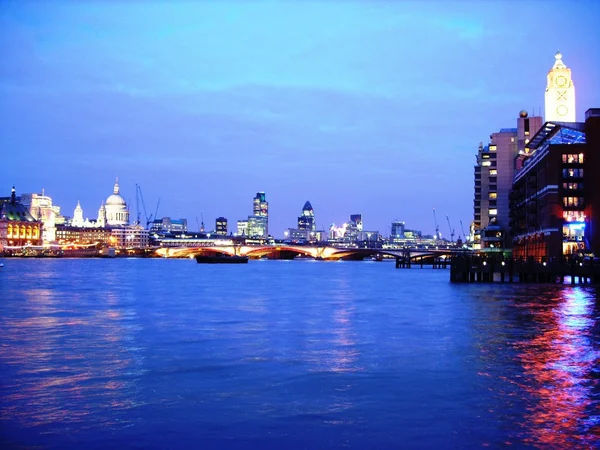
{"points": [[306, 221], [67, 234], [166, 225], [17, 226], [41, 208], [221, 226], [117, 213], [555, 200], [560, 93], [257, 225]]}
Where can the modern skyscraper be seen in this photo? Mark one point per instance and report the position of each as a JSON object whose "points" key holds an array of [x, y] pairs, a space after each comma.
{"points": [[306, 221], [258, 223], [560, 93]]}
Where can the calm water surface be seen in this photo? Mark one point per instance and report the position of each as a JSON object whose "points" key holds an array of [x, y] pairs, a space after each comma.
{"points": [[140, 353]]}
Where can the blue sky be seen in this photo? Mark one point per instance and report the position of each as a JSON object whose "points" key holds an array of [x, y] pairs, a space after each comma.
{"points": [[360, 107]]}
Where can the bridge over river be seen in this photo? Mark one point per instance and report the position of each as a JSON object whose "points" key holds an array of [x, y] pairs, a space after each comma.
{"points": [[284, 251]]}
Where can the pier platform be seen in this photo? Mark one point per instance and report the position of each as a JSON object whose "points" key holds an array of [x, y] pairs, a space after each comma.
{"points": [[476, 269]]}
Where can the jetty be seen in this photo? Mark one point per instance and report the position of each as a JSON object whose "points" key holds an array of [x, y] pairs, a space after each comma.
{"points": [[469, 268]]}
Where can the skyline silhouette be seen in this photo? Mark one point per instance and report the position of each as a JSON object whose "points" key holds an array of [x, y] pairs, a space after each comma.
{"points": [[371, 108]]}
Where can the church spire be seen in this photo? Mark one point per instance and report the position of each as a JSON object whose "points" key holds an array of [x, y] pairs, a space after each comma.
{"points": [[116, 188]]}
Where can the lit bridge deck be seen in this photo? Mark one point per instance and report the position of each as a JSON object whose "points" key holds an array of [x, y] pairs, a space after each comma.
{"points": [[284, 251]]}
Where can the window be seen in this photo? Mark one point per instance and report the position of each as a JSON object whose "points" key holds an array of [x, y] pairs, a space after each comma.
{"points": [[493, 212], [572, 173], [493, 171], [570, 158], [493, 179], [492, 148], [493, 195], [486, 163], [512, 139]]}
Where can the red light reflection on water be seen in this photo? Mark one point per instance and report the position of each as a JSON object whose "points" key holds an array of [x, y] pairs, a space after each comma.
{"points": [[559, 361]]}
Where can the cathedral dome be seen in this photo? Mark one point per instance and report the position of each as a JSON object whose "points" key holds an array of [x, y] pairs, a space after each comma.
{"points": [[115, 209], [115, 199]]}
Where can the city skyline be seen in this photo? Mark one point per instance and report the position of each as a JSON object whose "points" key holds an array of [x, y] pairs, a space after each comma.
{"points": [[205, 105]]}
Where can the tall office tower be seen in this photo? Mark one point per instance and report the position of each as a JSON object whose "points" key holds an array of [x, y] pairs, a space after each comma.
{"points": [[260, 211], [306, 222], [221, 226], [560, 93]]}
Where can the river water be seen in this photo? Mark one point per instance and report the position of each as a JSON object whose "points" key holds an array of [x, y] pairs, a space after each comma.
{"points": [[163, 353]]}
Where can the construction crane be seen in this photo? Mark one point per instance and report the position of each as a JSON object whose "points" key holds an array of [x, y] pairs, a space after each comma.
{"points": [[138, 196], [200, 226], [150, 219], [462, 227], [437, 228], [451, 230]]}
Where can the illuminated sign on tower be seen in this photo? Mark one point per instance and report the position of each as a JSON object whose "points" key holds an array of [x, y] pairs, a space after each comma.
{"points": [[560, 93]]}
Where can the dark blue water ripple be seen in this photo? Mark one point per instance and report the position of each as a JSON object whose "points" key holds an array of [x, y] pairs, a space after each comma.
{"points": [[134, 353]]}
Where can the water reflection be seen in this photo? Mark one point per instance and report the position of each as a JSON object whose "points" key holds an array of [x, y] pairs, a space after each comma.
{"points": [[559, 362], [63, 359], [333, 342]]}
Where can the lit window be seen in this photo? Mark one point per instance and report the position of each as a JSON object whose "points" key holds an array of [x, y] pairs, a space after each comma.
{"points": [[492, 148], [512, 139], [493, 171], [486, 163], [527, 133], [526, 141], [493, 195], [581, 158], [493, 212]]}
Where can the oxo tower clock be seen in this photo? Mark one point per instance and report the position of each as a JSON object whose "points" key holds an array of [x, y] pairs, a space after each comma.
{"points": [[560, 93]]}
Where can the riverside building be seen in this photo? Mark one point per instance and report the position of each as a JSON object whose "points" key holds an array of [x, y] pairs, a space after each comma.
{"points": [[555, 200], [41, 208], [18, 227]]}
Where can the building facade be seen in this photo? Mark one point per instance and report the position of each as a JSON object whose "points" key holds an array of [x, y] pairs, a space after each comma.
{"points": [[306, 220], [555, 200], [221, 226], [130, 237], [560, 93], [166, 225], [70, 235], [41, 208], [18, 227]]}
